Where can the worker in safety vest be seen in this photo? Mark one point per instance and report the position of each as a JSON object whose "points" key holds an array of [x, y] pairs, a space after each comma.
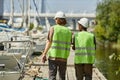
{"points": [[58, 47], [84, 46]]}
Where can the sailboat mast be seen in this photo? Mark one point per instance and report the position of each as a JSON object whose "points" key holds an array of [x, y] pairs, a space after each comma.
{"points": [[1, 8], [12, 10], [23, 20], [43, 6], [10, 22], [28, 13]]}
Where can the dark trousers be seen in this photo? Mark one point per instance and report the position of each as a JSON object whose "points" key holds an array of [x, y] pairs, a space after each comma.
{"points": [[83, 70], [53, 66]]}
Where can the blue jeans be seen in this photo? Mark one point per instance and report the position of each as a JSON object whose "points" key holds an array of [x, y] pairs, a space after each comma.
{"points": [[53, 66]]}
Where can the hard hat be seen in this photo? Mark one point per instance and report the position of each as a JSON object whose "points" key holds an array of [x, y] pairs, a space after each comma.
{"points": [[84, 22], [60, 14]]}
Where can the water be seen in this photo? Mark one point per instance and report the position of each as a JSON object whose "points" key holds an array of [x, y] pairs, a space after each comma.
{"points": [[107, 66]]}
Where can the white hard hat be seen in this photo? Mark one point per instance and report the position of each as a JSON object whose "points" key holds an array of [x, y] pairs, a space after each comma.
{"points": [[84, 22], [60, 14]]}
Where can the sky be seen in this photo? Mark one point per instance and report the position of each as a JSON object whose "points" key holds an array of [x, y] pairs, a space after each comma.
{"points": [[52, 6]]}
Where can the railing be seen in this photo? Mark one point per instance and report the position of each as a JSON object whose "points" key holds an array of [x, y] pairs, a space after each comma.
{"points": [[87, 15]]}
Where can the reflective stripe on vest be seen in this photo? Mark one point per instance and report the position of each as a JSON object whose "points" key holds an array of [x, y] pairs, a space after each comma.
{"points": [[60, 48], [87, 48], [84, 54], [61, 42], [84, 48]]}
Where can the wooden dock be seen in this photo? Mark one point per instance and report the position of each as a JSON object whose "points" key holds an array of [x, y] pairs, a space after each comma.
{"points": [[70, 73]]}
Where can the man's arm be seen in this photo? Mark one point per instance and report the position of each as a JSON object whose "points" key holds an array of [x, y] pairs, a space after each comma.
{"points": [[48, 45]]}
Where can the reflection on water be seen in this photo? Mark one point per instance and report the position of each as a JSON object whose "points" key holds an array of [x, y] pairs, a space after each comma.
{"points": [[107, 66]]}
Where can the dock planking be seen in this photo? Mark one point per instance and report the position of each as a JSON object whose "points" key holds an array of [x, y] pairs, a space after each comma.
{"points": [[70, 72]]}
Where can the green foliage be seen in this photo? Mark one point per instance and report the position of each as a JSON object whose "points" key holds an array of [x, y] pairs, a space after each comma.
{"points": [[32, 26], [100, 32], [116, 58], [117, 72], [39, 28], [108, 17], [108, 27]]}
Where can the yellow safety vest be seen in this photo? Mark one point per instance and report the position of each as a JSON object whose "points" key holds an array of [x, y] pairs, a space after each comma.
{"points": [[84, 48], [60, 47]]}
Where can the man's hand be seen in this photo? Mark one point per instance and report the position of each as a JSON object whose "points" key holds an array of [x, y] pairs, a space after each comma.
{"points": [[44, 58]]}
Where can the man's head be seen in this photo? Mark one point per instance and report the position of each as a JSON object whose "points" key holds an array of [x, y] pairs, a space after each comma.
{"points": [[83, 23], [60, 18]]}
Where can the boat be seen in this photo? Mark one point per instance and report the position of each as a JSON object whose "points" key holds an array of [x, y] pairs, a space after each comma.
{"points": [[39, 40], [13, 58]]}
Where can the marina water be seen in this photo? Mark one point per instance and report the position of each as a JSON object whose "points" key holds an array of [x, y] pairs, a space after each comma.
{"points": [[108, 66]]}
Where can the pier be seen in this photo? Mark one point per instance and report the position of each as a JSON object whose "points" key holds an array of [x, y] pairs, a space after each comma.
{"points": [[70, 73]]}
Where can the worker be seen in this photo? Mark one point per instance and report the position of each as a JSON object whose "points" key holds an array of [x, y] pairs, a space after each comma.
{"points": [[84, 46], [58, 47]]}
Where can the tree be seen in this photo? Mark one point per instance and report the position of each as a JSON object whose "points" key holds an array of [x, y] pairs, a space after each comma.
{"points": [[108, 27], [108, 18]]}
